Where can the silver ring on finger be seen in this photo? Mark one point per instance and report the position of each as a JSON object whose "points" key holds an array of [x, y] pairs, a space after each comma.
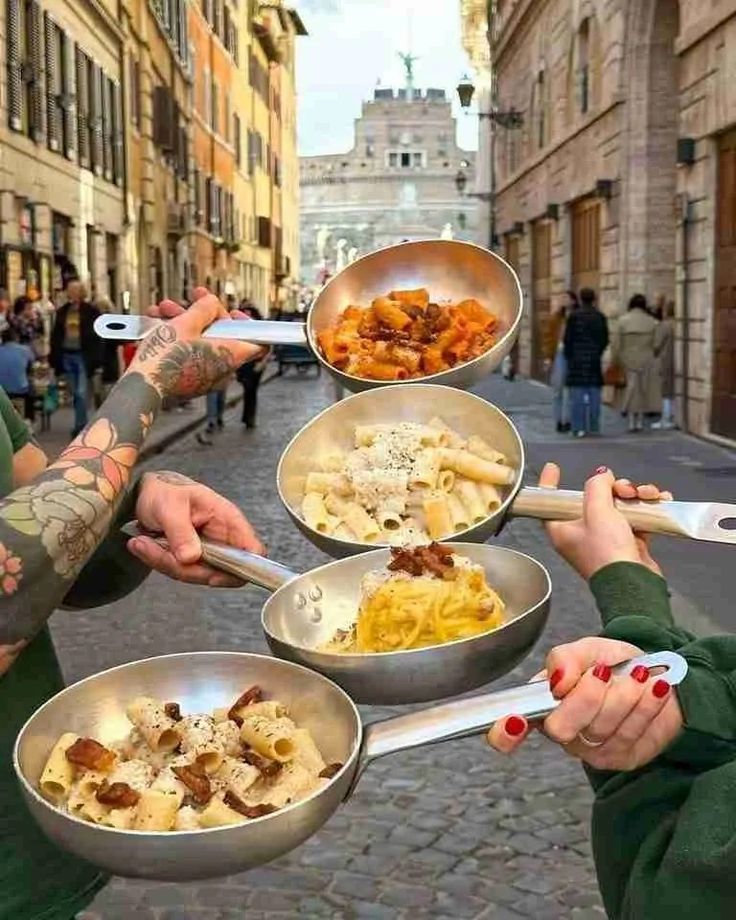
{"points": [[588, 742]]}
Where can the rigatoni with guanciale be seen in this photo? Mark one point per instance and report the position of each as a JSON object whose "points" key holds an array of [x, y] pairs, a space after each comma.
{"points": [[243, 762]]}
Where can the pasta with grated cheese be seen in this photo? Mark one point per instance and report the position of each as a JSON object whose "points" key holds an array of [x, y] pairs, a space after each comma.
{"points": [[404, 484]]}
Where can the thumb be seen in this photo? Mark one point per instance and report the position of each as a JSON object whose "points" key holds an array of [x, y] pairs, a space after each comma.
{"points": [[176, 523], [598, 497], [199, 292], [201, 314], [549, 478]]}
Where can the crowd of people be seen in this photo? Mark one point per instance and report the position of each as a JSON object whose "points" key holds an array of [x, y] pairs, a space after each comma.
{"points": [[42, 345], [641, 368]]}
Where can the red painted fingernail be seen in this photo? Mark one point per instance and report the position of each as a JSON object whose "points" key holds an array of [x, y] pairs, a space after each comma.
{"points": [[515, 726], [640, 674], [660, 689], [602, 672], [556, 678], [600, 470]]}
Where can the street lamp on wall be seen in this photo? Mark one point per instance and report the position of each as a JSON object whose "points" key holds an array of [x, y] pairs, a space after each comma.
{"points": [[465, 91], [511, 119], [461, 181]]}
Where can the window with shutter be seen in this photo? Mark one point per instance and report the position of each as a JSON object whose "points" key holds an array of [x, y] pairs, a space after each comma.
{"points": [[237, 143], [135, 93], [67, 101], [14, 64], [107, 127], [82, 83], [118, 137], [96, 117], [34, 71], [54, 113]]}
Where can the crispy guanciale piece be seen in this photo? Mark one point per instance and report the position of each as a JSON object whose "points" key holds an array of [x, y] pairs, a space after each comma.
{"points": [[253, 694], [117, 795], [249, 811], [90, 754], [196, 780], [267, 767], [331, 770], [173, 711], [434, 559]]}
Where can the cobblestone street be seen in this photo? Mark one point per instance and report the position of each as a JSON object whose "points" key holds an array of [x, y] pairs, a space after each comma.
{"points": [[447, 831]]}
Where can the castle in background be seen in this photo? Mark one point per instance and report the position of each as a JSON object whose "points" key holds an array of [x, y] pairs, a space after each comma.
{"points": [[404, 179]]}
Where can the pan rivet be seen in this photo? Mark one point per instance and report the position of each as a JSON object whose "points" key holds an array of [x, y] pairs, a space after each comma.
{"points": [[315, 594], [300, 601], [316, 615]]}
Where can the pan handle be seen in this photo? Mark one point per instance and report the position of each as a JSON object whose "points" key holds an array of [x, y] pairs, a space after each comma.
{"points": [[131, 327], [566, 505], [477, 713], [257, 570]]}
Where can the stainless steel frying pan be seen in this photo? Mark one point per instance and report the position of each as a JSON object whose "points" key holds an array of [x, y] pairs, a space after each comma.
{"points": [[201, 681], [306, 610], [450, 269], [469, 414]]}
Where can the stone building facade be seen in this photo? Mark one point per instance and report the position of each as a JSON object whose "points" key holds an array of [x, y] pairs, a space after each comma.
{"points": [[399, 181], [142, 148], [623, 177], [62, 174]]}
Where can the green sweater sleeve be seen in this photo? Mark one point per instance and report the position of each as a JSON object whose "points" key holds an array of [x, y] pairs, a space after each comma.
{"points": [[664, 838]]}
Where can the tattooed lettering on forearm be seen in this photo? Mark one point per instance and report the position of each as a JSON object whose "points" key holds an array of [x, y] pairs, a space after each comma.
{"points": [[156, 341], [49, 529]]}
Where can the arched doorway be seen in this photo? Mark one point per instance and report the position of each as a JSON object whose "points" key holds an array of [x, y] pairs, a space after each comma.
{"points": [[652, 93]]}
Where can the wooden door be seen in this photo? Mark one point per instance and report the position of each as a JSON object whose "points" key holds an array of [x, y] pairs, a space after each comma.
{"points": [[513, 257], [723, 403], [586, 244], [541, 298]]}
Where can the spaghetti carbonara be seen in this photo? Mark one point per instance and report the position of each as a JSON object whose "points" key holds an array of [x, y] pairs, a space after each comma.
{"points": [[425, 596]]}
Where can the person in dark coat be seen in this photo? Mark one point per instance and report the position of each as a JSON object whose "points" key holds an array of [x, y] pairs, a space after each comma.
{"points": [[586, 338], [76, 349], [249, 374]]}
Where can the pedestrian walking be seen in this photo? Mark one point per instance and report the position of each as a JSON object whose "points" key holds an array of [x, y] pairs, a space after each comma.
{"points": [[633, 347], [5, 309], [585, 340], [249, 375], [27, 323], [111, 367], [76, 350], [558, 370], [16, 371], [665, 352]]}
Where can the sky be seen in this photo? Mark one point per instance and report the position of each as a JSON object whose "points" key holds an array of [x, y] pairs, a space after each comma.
{"points": [[352, 44]]}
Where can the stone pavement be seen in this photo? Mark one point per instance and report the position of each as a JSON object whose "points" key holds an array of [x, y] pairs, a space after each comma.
{"points": [[446, 831]]}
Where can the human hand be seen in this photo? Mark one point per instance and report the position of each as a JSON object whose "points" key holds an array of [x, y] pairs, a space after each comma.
{"points": [[9, 655], [178, 361], [611, 723], [182, 509], [602, 535]]}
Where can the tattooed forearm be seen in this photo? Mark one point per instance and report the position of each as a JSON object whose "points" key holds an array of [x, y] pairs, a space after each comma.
{"points": [[49, 529]]}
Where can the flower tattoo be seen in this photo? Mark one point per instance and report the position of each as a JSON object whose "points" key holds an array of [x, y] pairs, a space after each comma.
{"points": [[192, 369], [70, 523], [10, 571], [96, 458]]}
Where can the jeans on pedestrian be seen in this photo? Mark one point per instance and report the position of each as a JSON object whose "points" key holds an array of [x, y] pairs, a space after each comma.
{"points": [[215, 408], [585, 409], [557, 381], [75, 373]]}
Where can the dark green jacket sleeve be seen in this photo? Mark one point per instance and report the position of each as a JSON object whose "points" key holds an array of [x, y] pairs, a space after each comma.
{"points": [[112, 572], [664, 837]]}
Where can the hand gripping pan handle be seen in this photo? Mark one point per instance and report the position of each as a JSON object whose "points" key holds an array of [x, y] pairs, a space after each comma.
{"points": [[475, 714], [123, 327], [711, 521]]}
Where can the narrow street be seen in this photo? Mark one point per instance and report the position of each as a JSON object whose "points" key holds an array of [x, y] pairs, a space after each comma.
{"points": [[448, 831]]}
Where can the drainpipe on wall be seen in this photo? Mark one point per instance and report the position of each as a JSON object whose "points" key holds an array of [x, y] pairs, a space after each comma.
{"points": [[685, 220]]}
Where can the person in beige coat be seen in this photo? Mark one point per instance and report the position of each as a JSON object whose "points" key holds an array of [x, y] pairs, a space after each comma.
{"points": [[634, 347]]}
